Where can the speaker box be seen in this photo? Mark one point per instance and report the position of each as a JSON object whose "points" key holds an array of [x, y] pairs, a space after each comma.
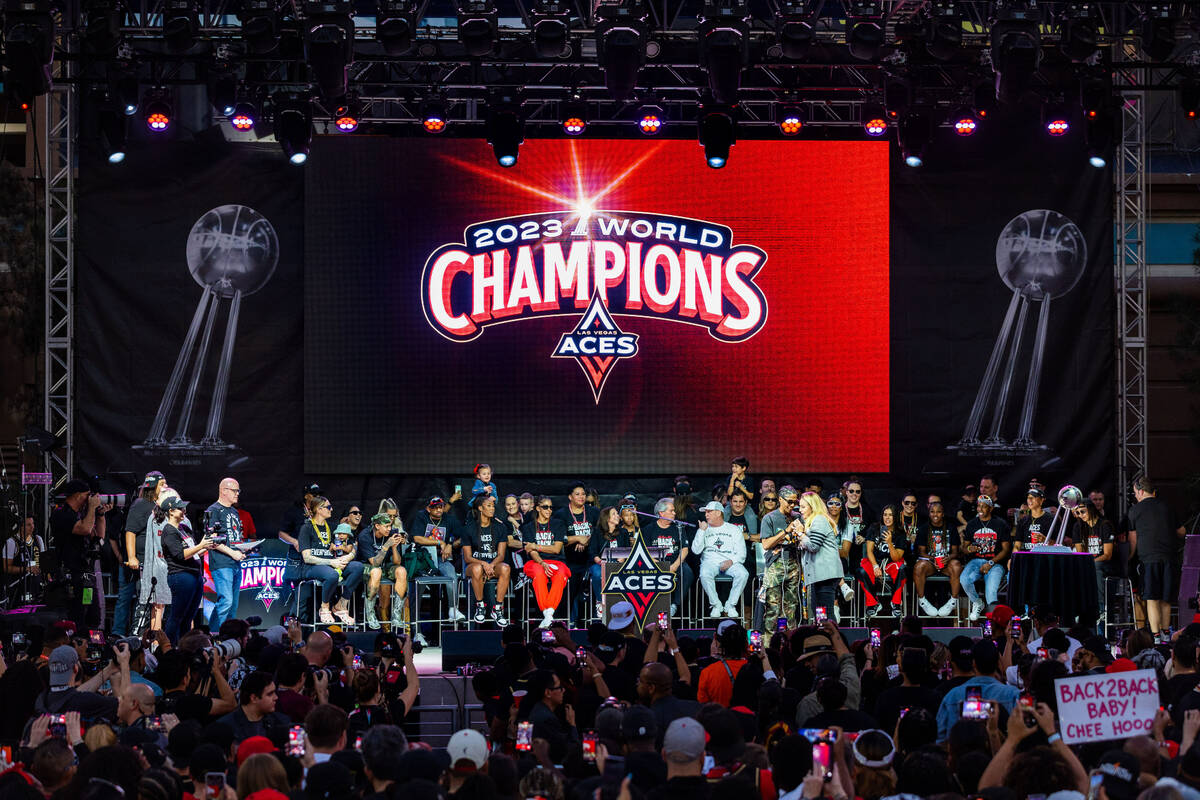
{"points": [[484, 647], [1191, 551]]}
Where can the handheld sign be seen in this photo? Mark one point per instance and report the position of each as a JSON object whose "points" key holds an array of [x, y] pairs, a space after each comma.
{"points": [[1093, 708]]}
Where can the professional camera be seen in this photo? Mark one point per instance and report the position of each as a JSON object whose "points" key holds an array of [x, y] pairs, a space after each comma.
{"points": [[229, 649], [417, 647]]}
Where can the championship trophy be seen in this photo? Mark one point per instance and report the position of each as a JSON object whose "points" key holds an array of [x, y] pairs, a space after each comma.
{"points": [[232, 251], [1040, 256]]}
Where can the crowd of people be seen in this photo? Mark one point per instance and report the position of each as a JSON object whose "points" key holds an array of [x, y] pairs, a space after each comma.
{"points": [[760, 552], [620, 714]]}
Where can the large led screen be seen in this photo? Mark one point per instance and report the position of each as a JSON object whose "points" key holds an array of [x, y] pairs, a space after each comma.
{"points": [[600, 307]]}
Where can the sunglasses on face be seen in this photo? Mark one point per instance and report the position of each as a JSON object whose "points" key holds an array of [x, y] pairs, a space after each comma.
{"points": [[355, 511], [770, 499], [908, 502], [834, 505], [546, 508], [327, 507]]}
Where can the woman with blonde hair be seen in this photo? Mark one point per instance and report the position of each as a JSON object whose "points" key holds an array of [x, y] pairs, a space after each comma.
{"points": [[820, 560], [261, 771]]}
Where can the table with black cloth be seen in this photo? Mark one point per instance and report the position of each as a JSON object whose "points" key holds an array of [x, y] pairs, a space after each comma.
{"points": [[1064, 581]]}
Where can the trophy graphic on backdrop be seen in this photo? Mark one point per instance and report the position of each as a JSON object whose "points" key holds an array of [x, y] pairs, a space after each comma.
{"points": [[232, 251], [1040, 255]]}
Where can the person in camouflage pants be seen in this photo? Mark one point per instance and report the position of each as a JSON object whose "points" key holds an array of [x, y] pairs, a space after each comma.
{"points": [[780, 594]]}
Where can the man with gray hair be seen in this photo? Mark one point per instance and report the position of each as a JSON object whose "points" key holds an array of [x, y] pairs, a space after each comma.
{"points": [[668, 535], [780, 593], [722, 549]]}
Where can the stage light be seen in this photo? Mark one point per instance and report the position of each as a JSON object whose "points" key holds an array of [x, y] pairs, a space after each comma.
{"points": [[621, 45], [329, 44], [260, 25], [395, 25], [864, 29], [897, 97], [913, 134], [157, 110], [791, 119], [1094, 96], [550, 24], [29, 50], [180, 24], [724, 31], [477, 23], [650, 120], [102, 28], [984, 101], [243, 116], [346, 116], [125, 89], [717, 135], [1016, 47], [965, 122], [293, 127], [943, 30], [1056, 119], [113, 131], [874, 121], [223, 94], [1189, 97], [1077, 31], [433, 115], [1158, 32], [1099, 134], [574, 116], [794, 28], [505, 133]]}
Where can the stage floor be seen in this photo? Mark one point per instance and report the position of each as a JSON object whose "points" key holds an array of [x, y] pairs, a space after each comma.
{"points": [[429, 661]]}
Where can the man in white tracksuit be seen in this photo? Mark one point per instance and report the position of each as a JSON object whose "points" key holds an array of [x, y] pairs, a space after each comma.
{"points": [[722, 548]]}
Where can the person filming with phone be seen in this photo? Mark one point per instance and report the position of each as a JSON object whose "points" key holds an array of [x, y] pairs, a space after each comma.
{"points": [[986, 659]]}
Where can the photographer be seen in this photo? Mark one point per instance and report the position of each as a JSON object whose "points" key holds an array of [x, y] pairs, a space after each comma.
{"points": [[67, 693], [175, 673], [75, 524], [223, 523]]}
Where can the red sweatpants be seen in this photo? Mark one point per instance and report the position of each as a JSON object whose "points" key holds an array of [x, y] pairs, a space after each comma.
{"points": [[549, 591], [894, 570]]}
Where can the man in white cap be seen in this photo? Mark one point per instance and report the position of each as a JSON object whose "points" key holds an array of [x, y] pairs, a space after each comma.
{"points": [[620, 619], [468, 751], [722, 549]]}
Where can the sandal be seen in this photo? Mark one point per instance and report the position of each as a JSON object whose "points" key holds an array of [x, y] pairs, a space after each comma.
{"points": [[324, 617]]}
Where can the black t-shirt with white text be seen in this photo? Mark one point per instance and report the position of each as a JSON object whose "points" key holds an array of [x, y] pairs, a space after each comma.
{"points": [[318, 540], [225, 521], [987, 536], [670, 538], [599, 542], [544, 535], [1093, 538], [877, 535], [1031, 532], [580, 524], [485, 542], [937, 542]]}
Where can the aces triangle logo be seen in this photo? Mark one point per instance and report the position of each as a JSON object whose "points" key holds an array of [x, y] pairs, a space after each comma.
{"points": [[596, 343], [640, 581]]}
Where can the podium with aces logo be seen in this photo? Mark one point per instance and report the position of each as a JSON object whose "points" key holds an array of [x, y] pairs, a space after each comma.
{"points": [[639, 576]]}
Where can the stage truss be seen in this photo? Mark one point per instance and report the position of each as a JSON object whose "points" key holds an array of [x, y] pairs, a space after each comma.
{"points": [[834, 88]]}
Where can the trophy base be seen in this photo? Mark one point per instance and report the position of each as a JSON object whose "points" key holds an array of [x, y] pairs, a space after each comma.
{"points": [[968, 457]]}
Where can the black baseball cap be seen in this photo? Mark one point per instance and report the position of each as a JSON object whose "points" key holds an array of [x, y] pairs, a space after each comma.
{"points": [[312, 488]]}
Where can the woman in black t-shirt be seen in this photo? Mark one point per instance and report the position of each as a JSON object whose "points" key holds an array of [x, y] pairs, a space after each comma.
{"points": [[1094, 534], [884, 555], [335, 572], [184, 566], [484, 548]]}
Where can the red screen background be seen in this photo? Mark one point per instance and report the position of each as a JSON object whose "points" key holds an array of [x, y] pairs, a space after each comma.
{"points": [[808, 392]]}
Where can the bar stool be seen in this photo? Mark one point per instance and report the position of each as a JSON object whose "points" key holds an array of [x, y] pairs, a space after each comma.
{"points": [[468, 592], [439, 583], [530, 621], [700, 599], [296, 586]]}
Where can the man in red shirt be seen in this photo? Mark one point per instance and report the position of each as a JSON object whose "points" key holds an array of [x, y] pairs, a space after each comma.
{"points": [[716, 680]]}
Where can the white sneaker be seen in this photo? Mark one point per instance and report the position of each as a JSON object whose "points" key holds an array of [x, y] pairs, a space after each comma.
{"points": [[837, 614], [948, 609], [420, 639], [927, 608], [731, 611], [976, 610], [674, 610], [847, 592], [547, 618], [456, 615], [716, 612]]}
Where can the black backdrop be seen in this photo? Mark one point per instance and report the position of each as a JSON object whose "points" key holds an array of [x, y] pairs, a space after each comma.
{"points": [[135, 299]]}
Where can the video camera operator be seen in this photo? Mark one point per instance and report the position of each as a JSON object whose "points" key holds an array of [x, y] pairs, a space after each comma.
{"points": [[76, 525]]}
